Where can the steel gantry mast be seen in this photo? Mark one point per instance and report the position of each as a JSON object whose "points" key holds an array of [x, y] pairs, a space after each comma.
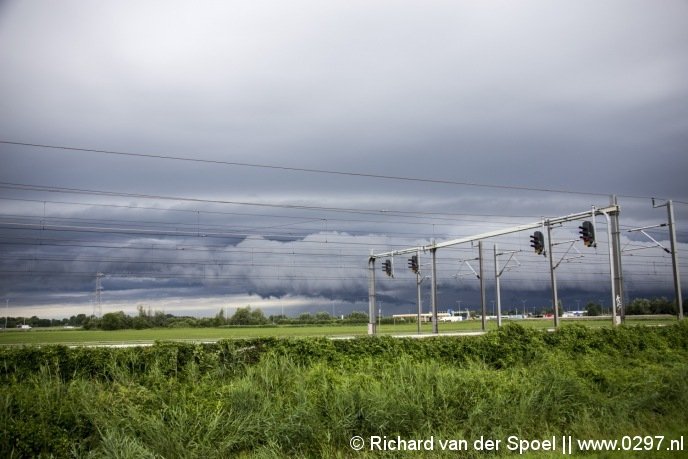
{"points": [[611, 212], [674, 254], [498, 274]]}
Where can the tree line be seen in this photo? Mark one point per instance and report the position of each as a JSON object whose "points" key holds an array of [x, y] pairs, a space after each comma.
{"points": [[245, 316], [145, 318], [639, 307]]}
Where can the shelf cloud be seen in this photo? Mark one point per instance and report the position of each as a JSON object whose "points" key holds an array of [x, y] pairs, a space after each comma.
{"points": [[327, 130]]}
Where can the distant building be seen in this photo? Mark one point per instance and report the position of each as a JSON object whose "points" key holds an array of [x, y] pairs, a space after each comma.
{"points": [[449, 316], [573, 314]]}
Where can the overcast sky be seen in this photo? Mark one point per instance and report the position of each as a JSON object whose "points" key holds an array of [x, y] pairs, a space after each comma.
{"points": [[510, 111]]}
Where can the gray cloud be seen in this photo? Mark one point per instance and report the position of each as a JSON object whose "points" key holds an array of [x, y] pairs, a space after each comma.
{"points": [[578, 96]]}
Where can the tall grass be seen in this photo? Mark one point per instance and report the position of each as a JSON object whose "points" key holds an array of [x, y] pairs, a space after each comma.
{"points": [[308, 398]]}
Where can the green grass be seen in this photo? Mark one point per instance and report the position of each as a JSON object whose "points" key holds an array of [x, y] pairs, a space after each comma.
{"points": [[307, 397], [148, 336], [71, 336]]}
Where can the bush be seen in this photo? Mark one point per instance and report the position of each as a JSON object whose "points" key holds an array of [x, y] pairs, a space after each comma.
{"points": [[307, 397], [115, 321], [246, 316]]}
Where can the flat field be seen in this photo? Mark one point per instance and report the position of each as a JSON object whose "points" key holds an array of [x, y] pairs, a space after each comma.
{"points": [[58, 335]]}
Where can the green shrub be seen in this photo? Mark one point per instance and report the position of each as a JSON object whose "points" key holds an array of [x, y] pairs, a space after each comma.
{"points": [[308, 397]]}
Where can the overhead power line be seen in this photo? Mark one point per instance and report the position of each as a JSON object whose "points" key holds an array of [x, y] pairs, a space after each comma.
{"points": [[456, 216], [349, 210], [307, 170], [57, 189]]}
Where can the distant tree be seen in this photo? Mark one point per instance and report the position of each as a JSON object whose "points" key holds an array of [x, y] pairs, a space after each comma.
{"points": [[205, 322], [305, 317], [258, 318], [593, 309], [140, 323], [662, 306], [638, 306], [91, 323], [35, 321], [183, 322], [159, 319], [242, 316], [246, 316], [279, 318], [143, 319], [356, 317], [78, 320], [220, 318], [115, 321], [651, 306], [322, 317]]}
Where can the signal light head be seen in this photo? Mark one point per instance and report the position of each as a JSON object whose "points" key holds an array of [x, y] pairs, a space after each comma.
{"points": [[537, 242], [587, 234], [387, 267], [413, 263]]}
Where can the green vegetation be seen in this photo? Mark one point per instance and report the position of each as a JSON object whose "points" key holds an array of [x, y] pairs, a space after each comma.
{"points": [[661, 305], [146, 318], [593, 310], [246, 316], [272, 397], [148, 336], [196, 334]]}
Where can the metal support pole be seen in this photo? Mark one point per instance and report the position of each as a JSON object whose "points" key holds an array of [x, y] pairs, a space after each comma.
{"points": [[483, 302], [619, 300], [497, 288], [433, 298], [372, 325], [418, 301], [612, 270], [555, 299], [674, 259], [418, 297]]}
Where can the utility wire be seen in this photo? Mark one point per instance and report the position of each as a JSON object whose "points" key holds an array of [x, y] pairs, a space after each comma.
{"points": [[67, 190], [458, 217], [310, 170]]}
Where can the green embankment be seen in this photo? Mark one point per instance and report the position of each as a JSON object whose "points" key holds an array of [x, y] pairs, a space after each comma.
{"points": [[307, 397]]}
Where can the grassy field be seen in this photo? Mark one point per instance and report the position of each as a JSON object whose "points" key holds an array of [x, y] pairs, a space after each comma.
{"points": [[309, 397], [148, 336]]}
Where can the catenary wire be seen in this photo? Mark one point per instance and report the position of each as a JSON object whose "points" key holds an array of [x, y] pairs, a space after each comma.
{"points": [[306, 170]]}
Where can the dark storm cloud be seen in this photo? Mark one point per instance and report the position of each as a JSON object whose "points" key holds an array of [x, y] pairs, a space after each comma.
{"points": [[583, 96]]}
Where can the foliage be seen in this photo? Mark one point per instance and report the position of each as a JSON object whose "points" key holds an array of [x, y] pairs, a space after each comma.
{"points": [[651, 306], [593, 309], [146, 318], [319, 318], [306, 397], [356, 317], [246, 316], [115, 321]]}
